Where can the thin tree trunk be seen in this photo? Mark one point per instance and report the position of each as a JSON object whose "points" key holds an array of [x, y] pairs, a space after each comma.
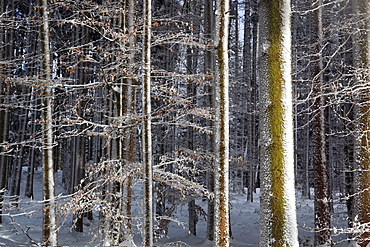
{"points": [[4, 118], [222, 230], [18, 176], [79, 173], [15, 187], [5, 74], [247, 71], [49, 219], [147, 132], [278, 212], [130, 109], [322, 200], [209, 68], [31, 166]]}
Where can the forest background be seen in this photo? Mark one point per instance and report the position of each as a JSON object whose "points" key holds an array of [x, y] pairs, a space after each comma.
{"points": [[119, 94]]}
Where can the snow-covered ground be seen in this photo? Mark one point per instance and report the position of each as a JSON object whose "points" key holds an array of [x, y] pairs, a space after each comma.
{"points": [[25, 223]]}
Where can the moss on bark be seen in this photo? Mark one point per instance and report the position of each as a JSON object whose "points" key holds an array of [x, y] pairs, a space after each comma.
{"points": [[277, 124]]}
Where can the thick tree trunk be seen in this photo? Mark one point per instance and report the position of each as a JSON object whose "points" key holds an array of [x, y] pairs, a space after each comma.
{"points": [[278, 212], [49, 220], [222, 230]]}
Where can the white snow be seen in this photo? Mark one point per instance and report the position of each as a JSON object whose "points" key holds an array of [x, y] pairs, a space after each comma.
{"points": [[244, 223]]}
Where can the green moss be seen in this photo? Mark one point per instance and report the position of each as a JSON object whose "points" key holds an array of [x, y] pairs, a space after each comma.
{"points": [[276, 118]]}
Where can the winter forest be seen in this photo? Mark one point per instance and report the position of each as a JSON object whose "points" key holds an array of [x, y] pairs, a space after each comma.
{"points": [[185, 123]]}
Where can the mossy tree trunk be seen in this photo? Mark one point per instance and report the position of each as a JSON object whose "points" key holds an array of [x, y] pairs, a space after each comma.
{"points": [[278, 212]]}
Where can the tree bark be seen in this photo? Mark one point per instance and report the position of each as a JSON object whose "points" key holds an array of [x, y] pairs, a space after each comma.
{"points": [[209, 68], [4, 91], [129, 145], [321, 182], [362, 176], [222, 230], [49, 219], [278, 212], [147, 133]]}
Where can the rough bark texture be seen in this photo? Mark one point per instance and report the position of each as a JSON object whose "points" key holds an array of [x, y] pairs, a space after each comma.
{"points": [[147, 135], [278, 216], [222, 231], [322, 207]]}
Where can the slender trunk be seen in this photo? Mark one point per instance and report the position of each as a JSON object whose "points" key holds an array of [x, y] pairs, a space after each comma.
{"points": [[209, 68], [31, 166], [130, 108], [278, 212], [79, 173], [49, 220], [17, 168], [5, 91], [322, 207], [3, 136], [222, 231], [147, 132], [247, 69], [254, 98]]}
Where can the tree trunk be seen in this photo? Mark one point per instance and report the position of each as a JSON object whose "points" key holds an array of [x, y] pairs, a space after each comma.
{"points": [[16, 174], [129, 145], [49, 220], [322, 200], [31, 166], [4, 91], [363, 149], [209, 68], [278, 212], [222, 231], [147, 132]]}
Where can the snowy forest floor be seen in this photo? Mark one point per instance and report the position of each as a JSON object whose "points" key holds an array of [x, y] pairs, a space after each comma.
{"points": [[23, 224]]}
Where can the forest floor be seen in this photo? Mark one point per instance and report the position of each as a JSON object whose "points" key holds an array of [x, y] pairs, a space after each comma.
{"points": [[23, 225]]}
